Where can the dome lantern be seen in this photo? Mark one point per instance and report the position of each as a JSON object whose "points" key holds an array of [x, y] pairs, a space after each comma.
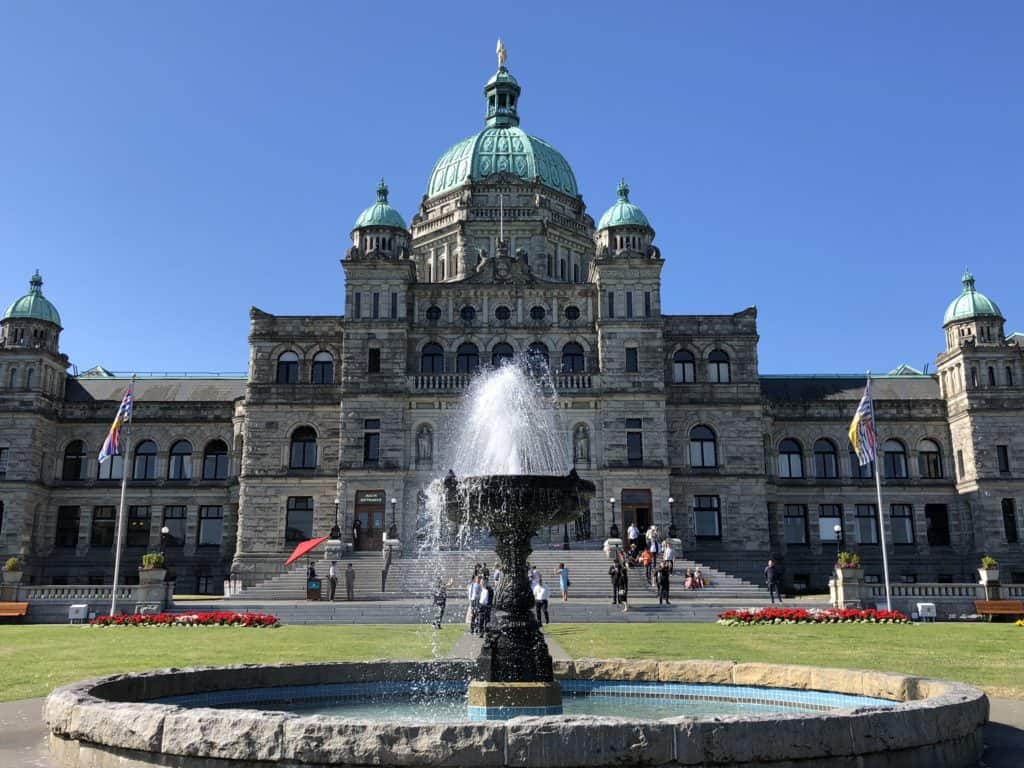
{"points": [[502, 92]]}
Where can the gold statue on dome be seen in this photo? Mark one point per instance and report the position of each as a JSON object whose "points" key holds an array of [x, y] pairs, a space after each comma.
{"points": [[502, 54]]}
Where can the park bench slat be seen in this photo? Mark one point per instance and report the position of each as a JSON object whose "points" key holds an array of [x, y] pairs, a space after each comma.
{"points": [[13, 609], [999, 607]]}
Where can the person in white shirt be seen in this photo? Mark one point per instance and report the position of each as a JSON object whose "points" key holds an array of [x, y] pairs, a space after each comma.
{"points": [[485, 607], [534, 576], [668, 557], [540, 597], [332, 577], [632, 533], [473, 592]]}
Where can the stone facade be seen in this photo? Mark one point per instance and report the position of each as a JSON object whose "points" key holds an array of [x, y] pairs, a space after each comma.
{"points": [[340, 419]]}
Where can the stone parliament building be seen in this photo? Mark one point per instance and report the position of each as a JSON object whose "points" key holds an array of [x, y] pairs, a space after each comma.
{"points": [[343, 418]]}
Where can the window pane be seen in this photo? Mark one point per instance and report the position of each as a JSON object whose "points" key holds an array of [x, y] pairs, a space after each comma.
{"points": [[632, 360], [634, 447], [795, 524], [829, 516], [174, 521], [299, 521], [67, 527], [901, 521], [867, 524], [706, 521], [211, 526], [103, 522], [138, 527]]}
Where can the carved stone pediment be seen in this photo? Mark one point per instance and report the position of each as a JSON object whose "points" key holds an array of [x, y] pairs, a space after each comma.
{"points": [[502, 269]]}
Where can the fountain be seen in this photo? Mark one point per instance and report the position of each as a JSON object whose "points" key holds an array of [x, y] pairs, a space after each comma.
{"points": [[511, 476]]}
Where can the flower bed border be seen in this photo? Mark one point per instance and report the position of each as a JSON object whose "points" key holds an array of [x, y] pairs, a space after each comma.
{"points": [[207, 619], [739, 618]]}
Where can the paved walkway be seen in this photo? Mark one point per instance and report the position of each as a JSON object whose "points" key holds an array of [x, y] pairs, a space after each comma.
{"points": [[23, 734]]}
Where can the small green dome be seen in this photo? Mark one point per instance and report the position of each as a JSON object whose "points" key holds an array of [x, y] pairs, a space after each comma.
{"points": [[380, 214], [623, 213], [33, 305], [502, 149], [970, 303]]}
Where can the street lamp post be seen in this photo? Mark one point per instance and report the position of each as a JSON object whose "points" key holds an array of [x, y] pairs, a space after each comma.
{"points": [[838, 530], [613, 526], [337, 506], [163, 538], [673, 531], [393, 530]]}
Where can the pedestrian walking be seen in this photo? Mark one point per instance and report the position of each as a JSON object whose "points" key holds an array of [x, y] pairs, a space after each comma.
{"points": [[663, 584], [440, 601], [486, 601], [563, 581], [624, 588], [350, 582], [773, 578], [615, 574], [668, 556], [540, 597], [632, 533], [473, 593], [332, 578]]}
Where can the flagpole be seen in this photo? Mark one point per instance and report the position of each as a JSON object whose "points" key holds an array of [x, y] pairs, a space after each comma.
{"points": [[881, 518], [124, 490]]}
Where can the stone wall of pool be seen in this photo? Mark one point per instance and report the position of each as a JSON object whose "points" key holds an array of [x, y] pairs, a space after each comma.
{"points": [[112, 722]]}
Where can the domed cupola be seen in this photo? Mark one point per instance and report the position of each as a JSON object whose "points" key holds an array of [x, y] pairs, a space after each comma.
{"points": [[624, 227], [502, 146], [380, 229], [33, 305], [972, 316]]}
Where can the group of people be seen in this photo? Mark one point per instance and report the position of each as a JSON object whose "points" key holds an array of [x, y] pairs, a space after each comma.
{"points": [[332, 579], [654, 553]]}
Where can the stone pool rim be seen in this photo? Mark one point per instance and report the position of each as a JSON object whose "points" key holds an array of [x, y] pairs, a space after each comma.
{"points": [[108, 721]]}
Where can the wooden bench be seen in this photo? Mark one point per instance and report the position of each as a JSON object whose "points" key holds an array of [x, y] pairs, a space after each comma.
{"points": [[992, 608], [13, 610]]}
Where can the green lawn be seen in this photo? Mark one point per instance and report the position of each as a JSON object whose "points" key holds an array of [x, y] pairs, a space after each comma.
{"points": [[990, 656], [34, 659]]}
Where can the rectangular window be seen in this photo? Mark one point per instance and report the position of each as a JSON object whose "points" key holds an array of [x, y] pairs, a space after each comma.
{"points": [[359, 304], [936, 518], [629, 303], [215, 462], [111, 469], [5, 455], [174, 522], [373, 360], [795, 524], [707, 519], [371, 441], [647, 303], [632, 360], [867, 524], [960, 463], [299, 521], [1010, 521], [611, 304], [634, 441], [211, 526], [901, 518], [394, 306], [858, 470], [575, 273], [830, 516], [138, 527], [1003, 455], [376, 306], [103, 521], [67, 527]]}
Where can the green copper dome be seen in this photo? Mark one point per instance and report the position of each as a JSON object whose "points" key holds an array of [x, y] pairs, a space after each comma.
{"points": [[380, 214], [502, 147], [970, 303], [33, 305], [623, 213]]}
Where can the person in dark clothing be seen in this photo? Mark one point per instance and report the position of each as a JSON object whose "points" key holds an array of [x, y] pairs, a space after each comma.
{"points": [[486, 601], [773, 578], [615, 574], [440, 602], [350, 582], [624, 588], [310, 572], [335, 532], [663, 579]]}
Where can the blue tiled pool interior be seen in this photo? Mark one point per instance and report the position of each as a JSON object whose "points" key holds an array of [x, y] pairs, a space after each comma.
{"points": [[445, 701]]}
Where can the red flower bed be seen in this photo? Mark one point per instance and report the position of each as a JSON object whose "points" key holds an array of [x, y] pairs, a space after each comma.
{"points": [[804, 616], [212, 619]]}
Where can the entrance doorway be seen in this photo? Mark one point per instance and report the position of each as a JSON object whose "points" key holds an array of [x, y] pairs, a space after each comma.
{"points": [[636, 508], [369, 516]]}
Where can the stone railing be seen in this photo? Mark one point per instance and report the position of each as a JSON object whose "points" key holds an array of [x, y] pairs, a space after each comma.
{"points": [[571, 381], [950, 600], [458, 382], [49, 603]]}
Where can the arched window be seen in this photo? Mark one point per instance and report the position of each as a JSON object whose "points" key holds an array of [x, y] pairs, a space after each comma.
{"points": [[826, 461], [467, 358], [111, 469], [433, 314], [323, 368], [180, 465], [502, 314], [895, 456], [684, 368], [74, 461], [432, 359], [929, 460], [572, 358], [858, 470], [145, 461], [703, 451], [791, 459], [501, 353], [303, 453], [288, 368], [991, 376], [537, 357], [468, 314], [215, 461], [537, 312], [718, 367]]}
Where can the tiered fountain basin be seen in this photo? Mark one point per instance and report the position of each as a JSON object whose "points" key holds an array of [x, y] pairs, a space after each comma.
{"points": [[807, 716]]}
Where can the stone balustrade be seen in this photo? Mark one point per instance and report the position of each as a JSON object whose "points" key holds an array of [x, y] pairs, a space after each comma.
{"points": [[49, 603], [951, 600], [459, 382]]}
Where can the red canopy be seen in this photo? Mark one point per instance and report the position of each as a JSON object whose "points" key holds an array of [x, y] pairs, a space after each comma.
{"points": [[305, 548]]}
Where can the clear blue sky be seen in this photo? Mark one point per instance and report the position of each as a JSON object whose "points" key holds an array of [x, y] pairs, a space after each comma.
{"points": [[836, 164]]}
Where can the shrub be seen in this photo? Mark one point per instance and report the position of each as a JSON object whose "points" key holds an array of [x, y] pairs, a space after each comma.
{"points": [[988, 562], [152, 560], [13, 564], [848, 560]]}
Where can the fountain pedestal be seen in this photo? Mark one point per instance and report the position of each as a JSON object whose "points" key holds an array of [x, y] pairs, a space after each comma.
{"points": [[501, 701]]}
